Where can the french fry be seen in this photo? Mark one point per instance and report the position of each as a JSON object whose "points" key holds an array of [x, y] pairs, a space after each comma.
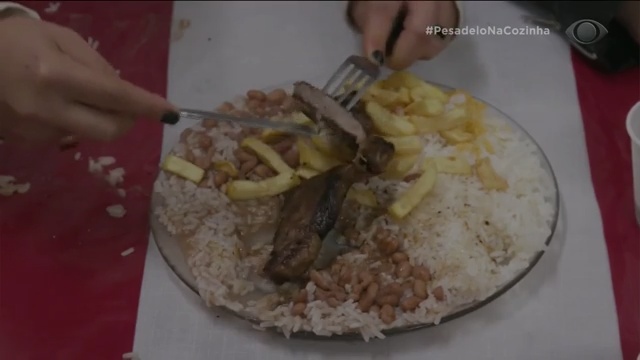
{"points": [[488, 146], [456, 136], [402, 79], [426, 107], [447, 121], [488, 177], [302, 119], [271, 134], [247, 190], [399, 166], [226, 167], [388, 98], [267, 155], [416, 193], [387, 123], [423, 124], [306, 173], [336, 151], [363, 197], [406, 145], [183, 168], [314, 159], [453, 165], [428, 91]]}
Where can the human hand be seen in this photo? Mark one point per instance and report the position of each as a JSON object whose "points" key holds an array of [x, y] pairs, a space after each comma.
{"points": [[374, 19], [55, 85]]}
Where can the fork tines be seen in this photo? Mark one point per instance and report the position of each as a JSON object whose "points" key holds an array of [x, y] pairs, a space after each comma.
{"points": [[355, 75]]}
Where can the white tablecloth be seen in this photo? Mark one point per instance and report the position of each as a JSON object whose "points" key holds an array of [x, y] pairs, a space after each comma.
{"points": [[564, 309]]}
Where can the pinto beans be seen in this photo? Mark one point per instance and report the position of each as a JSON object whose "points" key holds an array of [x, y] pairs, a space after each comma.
{"points": [[298, 309], [263, 171], [220, 178], [399, 257], [276, 96], [291, 157], [226, 107], [367, 299], [421, 272], [301, 296], [389, 299], [403, 270], [256, 95], [247, 166], [387, 243], [410, 303], [320, 280], [387, 314], [420, 289], [438, 293]]}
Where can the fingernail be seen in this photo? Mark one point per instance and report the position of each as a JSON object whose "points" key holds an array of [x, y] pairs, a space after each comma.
{"points": [[170, 117], [378, 56]]}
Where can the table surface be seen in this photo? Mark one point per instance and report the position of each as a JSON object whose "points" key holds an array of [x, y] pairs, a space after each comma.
{"points": [[564, 309]]}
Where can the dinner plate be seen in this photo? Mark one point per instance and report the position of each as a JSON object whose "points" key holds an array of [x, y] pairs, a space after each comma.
{"points": [[171, 251]]}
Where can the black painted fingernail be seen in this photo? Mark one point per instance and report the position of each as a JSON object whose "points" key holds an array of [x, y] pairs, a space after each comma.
{"points": [[170, 117], [378, 56]]}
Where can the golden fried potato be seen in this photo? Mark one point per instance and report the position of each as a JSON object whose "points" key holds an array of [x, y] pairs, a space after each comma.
{"points": [[183, 168], [306, 173], [226, 167], [247, 190], [402, 79], [388, 123], [406, 145], [428, 91], [302, 119], [336, 151], [314, 159], [487, 145], [387, 98], [453, 165], [416, 193], [363, 197], [457, 136], [426, 107], [400, 165], [488, 177], [267, 155]]}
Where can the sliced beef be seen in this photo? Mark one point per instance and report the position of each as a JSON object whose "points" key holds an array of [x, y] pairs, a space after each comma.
{"points": [[310, 211]]}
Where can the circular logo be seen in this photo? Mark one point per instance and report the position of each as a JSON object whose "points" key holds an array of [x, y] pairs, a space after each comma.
{"points": [[586, 31]]}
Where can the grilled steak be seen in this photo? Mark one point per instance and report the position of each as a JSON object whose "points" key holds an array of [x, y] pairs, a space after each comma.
{"points": [[311, 210], [309, 213]]}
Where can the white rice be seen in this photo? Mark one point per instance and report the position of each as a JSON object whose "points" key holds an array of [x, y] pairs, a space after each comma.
{"points": [[116, 211], [473, 241], [127, 252]]}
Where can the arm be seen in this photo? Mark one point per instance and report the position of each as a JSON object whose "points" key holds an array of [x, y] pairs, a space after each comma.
{"points": [[618, 50], [10, 8]]}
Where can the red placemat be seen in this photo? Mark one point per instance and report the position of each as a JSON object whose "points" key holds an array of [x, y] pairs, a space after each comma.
{"points": [[65, 290], [605, 101]]}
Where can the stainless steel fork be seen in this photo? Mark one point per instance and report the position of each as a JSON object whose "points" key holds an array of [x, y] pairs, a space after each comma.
{"points": [[351, 80]]}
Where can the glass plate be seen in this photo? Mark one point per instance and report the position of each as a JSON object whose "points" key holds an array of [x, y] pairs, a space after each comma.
{"points": [[172, 253]]}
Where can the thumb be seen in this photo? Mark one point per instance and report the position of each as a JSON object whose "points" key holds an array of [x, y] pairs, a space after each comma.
{"points": [[379, 17]]}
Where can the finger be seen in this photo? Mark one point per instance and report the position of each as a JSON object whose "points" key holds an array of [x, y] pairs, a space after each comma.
{"points": [[74, 46], [111, 94], [377, 25], [86, 122], [406, 51], [421, 15]]}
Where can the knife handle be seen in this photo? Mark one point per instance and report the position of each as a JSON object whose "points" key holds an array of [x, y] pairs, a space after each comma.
{"points": [[396, 30]]}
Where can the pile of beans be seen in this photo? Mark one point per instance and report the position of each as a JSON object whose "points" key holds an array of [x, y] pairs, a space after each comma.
{"points": [[394, 285], [258, 104]]}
